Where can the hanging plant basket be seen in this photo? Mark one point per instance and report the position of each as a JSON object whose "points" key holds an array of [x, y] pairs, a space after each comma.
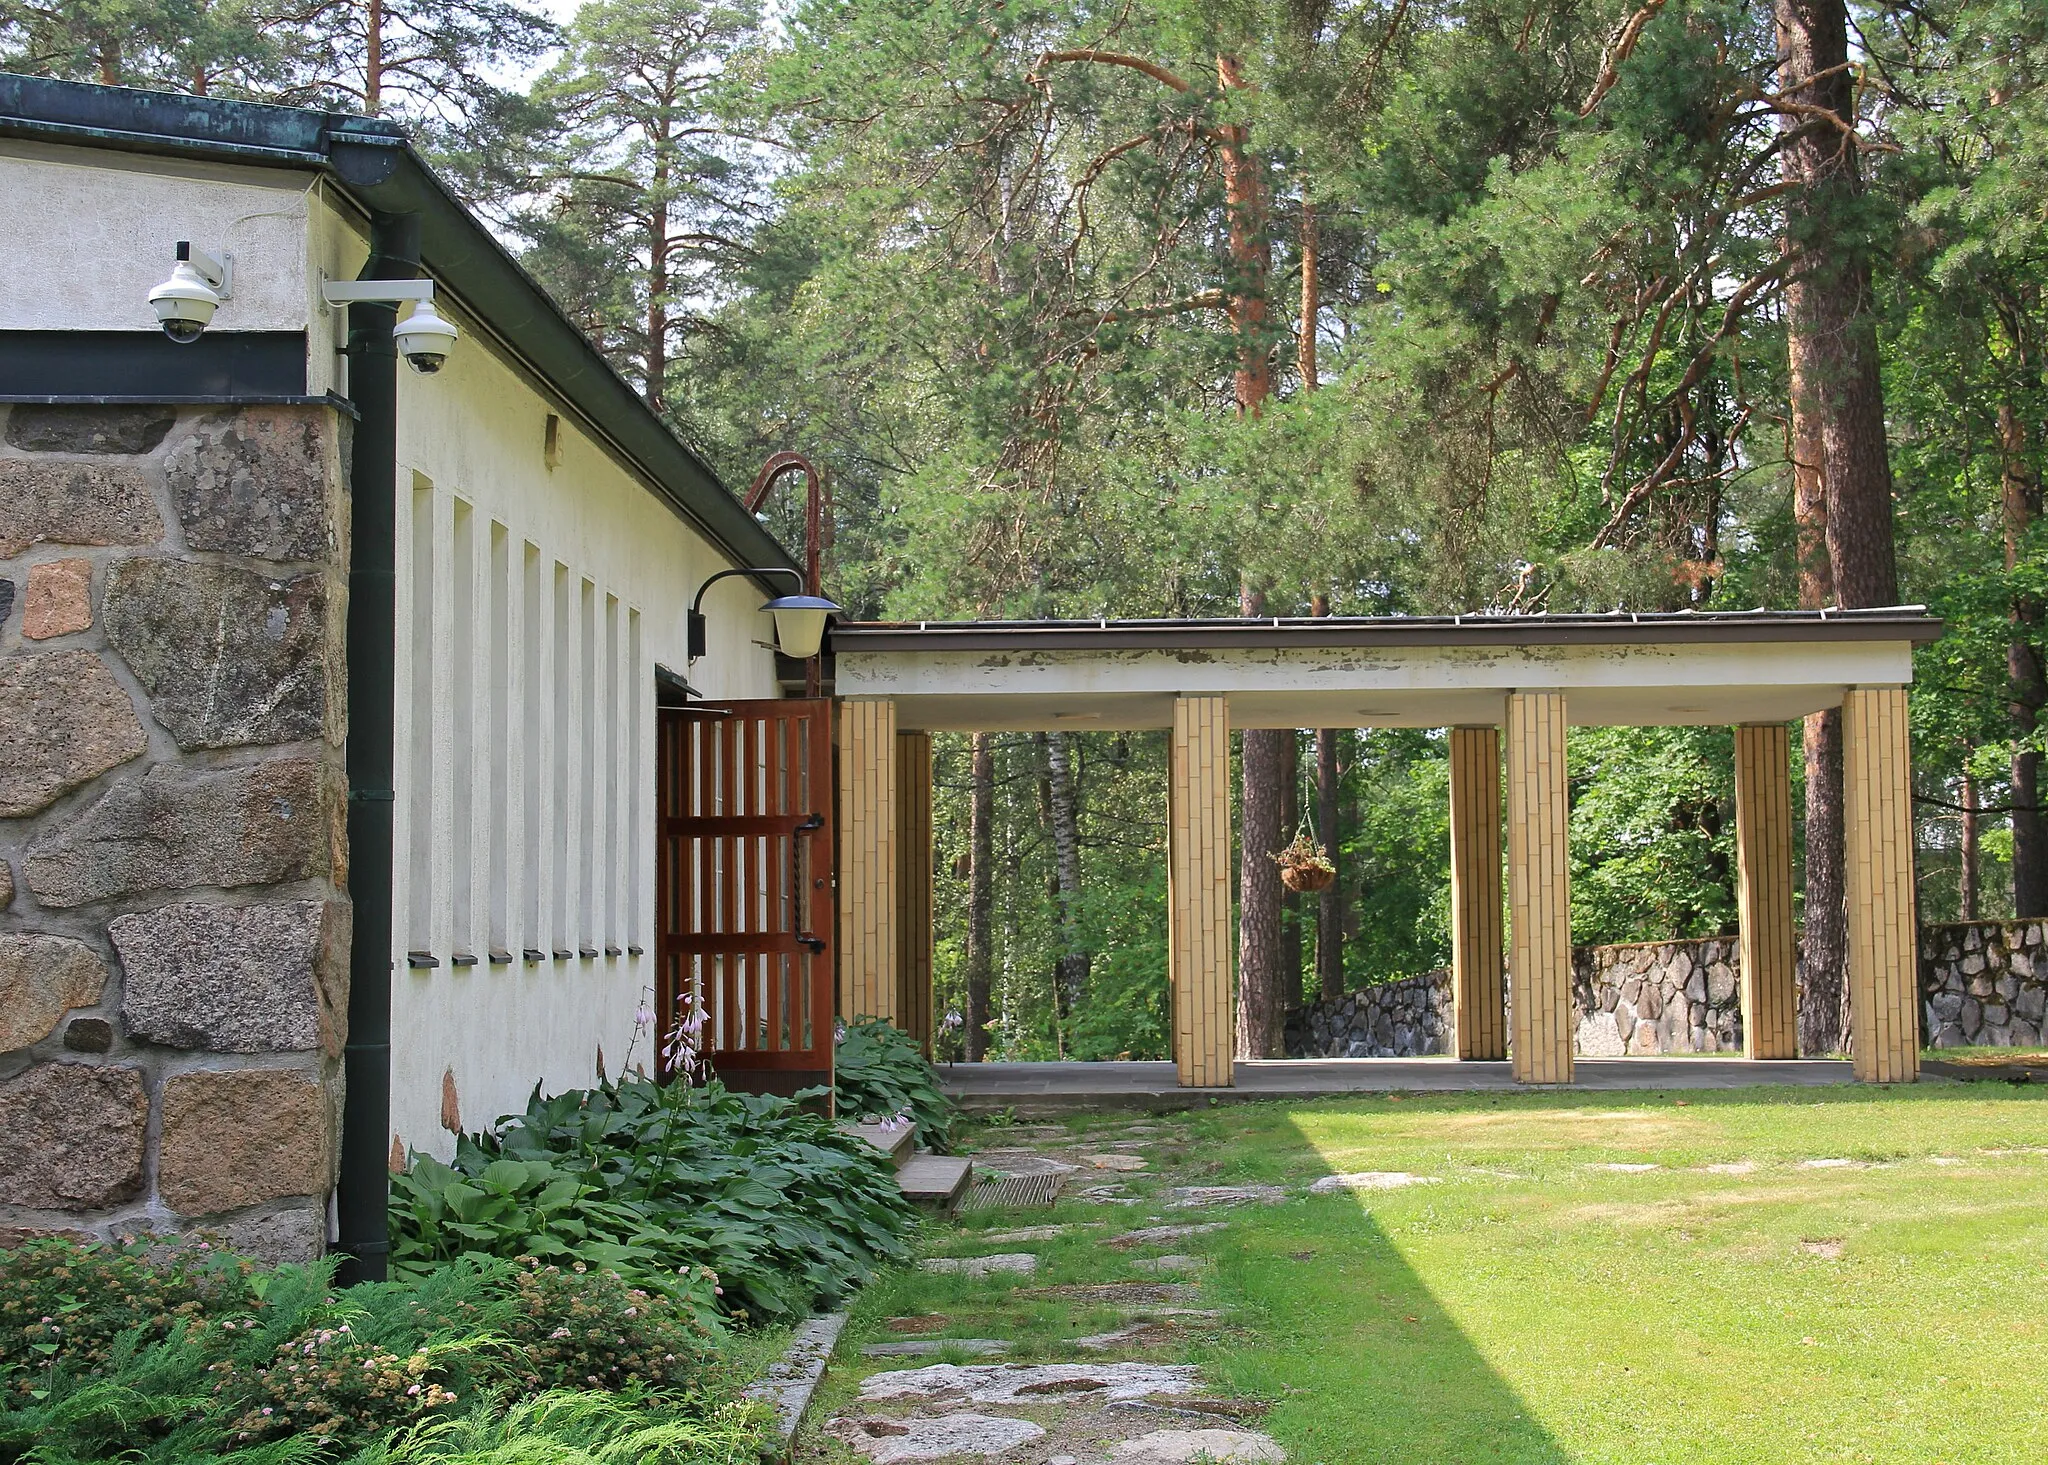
{"points": [[1305, 866]]}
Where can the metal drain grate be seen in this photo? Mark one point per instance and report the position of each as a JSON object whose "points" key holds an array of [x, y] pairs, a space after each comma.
{"points": [[1015, 1190]]}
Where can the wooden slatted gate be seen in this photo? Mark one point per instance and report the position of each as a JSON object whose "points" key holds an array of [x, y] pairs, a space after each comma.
{"points": [[744, 899]]}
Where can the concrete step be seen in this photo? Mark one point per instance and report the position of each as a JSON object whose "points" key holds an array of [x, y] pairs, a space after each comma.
{"points": [[935, 1180], [897, 1146]]}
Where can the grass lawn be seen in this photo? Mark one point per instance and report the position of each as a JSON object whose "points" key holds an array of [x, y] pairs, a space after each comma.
{"points": [[1734, 1303]]}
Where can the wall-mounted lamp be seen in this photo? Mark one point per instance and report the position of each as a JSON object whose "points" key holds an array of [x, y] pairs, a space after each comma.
{"points": [[185, 303], [799, 618], [424, 339]]}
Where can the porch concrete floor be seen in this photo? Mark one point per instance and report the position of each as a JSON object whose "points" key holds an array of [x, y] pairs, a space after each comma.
{"points": [[1060, 1087]]}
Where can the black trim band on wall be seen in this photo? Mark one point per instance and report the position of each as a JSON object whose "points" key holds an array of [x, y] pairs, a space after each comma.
{"points": [[149, 365]]}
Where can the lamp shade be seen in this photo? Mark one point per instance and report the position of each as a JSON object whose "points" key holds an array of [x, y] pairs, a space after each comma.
{"points": [[799, 623]]}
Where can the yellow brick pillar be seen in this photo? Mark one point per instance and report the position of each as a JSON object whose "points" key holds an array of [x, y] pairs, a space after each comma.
{"points": [[914, 886], [1877, 820], [1763, 858], [867, 858], [1539, 889], [1201, 957], [1477, 978]]}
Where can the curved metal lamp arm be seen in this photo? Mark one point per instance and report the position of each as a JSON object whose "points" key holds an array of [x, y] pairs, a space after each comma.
{"points": [[697, 623]]}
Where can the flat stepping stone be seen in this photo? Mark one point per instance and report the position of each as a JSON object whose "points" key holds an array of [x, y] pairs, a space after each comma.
{"points": [[1157, 1235], [1167, 1264], [1019, 1263], [1115, 1162], [1025, 1233], [885, 1441], [1625, 1168], [1731, 1167], [1833, 1164], [1026, 1383], [1369, 1180], [1121, 1294], [1023, 1162], [929, 1322], [1146, 1334], [1202, 1196], [932, 1347], [1179, 1446]]}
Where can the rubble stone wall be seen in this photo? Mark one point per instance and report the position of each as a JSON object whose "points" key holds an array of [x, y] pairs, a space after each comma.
{"points": [[1985, 983], [173, 930], [1652, 997]]}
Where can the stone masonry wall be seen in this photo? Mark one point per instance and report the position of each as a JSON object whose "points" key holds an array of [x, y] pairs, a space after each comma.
{"points": [[1985, 982], [1652, 997], [1981, 983], [173, 933]]}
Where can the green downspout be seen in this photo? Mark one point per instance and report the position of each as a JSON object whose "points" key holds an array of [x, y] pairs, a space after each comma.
{"points": [[361, 1206]]}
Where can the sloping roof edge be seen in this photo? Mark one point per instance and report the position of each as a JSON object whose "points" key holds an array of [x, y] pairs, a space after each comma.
{"points": [[1890, 623], [372, 162]]}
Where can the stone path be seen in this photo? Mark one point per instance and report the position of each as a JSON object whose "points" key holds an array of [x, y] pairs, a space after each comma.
{"points": [[1111, 1409]]}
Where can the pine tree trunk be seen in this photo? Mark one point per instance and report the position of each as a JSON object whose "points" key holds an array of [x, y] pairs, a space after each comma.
{"points": [[1291, 903], [656, 387], [1842, 476], [1311, 301], [1830, 312], [373, 58], [981, 891], [2020, 495], [1260, 1001], [1968, 900], [1071, 970], [1330, 830]]}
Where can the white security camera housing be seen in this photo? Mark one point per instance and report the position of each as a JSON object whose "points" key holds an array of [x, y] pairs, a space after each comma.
{"points": [[185, 303], [424, 339]]}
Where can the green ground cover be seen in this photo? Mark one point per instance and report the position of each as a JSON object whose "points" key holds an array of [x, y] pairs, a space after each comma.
{"points": [[1737, 1302]]}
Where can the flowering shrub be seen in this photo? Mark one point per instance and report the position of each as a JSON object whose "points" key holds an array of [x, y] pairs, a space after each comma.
{"points": [[63, 1307], [592, 1330], [329, 1384]]}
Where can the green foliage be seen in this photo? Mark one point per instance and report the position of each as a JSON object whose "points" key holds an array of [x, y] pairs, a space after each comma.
{"points": [[1652, 833], [880, 1074], [690, 1192], [175, 1351], [587, 1427]]}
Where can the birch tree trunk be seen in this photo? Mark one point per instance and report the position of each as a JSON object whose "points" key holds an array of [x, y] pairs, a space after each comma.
{"points": [[1071, 969]]}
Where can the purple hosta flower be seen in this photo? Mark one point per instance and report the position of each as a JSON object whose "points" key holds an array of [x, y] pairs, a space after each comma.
{"points": [[951, 1021], [643, 1017], [838, 1030]]}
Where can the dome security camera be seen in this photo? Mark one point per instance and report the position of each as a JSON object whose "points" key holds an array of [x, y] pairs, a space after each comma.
{"points": [[424, 339], [185, 303]]}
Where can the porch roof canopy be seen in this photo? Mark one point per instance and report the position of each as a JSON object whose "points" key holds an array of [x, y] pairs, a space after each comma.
{"points": [[1619, 669]]}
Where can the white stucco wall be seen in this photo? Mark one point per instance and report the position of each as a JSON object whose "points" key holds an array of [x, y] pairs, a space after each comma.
{"points": [[88, 232], [494, 737]]}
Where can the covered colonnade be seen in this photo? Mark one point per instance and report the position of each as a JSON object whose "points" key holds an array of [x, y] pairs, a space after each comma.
{"points": [[1507, 688]]}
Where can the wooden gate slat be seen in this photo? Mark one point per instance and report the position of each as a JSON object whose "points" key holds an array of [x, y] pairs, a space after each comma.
{"points": [[746, 910]]}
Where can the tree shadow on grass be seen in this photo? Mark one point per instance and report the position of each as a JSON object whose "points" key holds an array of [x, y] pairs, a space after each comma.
{"points": [[1365, 1364]]}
